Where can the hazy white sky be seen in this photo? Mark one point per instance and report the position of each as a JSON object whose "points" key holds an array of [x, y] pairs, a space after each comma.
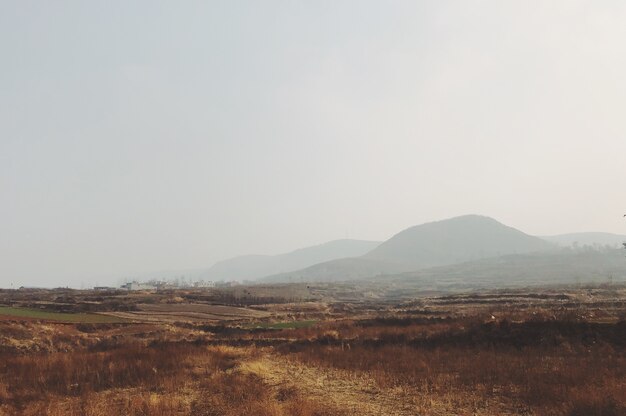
{"points": [[147, 135]]}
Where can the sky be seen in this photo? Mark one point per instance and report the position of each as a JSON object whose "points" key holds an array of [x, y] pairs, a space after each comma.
{"points": [[155, 135]]}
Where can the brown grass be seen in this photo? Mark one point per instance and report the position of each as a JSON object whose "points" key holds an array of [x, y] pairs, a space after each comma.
{"points": [[482, 355], [161, 379], [549, 367]]}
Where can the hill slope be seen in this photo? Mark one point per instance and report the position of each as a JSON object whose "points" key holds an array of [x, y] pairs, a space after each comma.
{"points": [[337, 270], [564, 266], [255, 266]]}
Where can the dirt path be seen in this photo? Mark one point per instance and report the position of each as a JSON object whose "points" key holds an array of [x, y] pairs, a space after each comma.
{"points": [[334, 388]]}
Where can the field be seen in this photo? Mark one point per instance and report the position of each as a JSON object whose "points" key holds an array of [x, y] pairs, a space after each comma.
{"points": [[538, 351], [8, 312]]}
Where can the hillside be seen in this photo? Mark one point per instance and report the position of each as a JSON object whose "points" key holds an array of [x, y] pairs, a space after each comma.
{"points": [[338, 270], [563, 266], [450, 241], [256, 266]]}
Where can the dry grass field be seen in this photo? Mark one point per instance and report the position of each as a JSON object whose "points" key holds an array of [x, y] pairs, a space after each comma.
{"points": [[551, 351]]}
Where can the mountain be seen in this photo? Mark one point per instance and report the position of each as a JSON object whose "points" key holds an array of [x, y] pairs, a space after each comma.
{"points": [[587, 239], [455, 240], [255, 266]]}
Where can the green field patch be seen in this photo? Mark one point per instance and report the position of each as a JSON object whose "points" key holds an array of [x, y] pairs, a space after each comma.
{"points": [[282, 325], [57, 316]]}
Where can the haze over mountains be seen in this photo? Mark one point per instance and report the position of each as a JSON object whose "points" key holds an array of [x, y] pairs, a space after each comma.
{"points": [[450, 241], [477, 247], [454, 241], [256, 266]]}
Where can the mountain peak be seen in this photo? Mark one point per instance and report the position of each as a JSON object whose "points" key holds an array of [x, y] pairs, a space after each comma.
{"points": [[453, 240]]}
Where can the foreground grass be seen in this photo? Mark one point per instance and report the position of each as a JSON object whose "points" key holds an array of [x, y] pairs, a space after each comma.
{"points": [[548, 368], [58, 316], [139, 380]]}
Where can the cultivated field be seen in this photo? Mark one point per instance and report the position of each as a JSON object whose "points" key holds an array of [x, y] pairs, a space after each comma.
{"points": [[547, 351], [8, 312]]}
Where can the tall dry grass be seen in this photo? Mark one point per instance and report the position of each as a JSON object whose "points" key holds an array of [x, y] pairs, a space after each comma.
{"points": [[162, 379], [553, 368]]}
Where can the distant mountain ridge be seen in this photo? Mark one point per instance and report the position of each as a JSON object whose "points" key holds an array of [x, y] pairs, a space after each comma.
{"points": [[255, 266], [471, 245], [440, 243], [350, 268], [587, 239]]}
